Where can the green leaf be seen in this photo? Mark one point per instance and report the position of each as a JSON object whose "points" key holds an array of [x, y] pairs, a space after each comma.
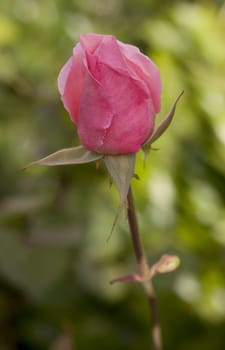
{"points": [[163, 125], [121, 169], [74, 155]]}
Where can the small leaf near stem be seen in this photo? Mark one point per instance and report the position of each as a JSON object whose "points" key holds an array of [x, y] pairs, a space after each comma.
{"points": [[127, 278], [166, 264]]}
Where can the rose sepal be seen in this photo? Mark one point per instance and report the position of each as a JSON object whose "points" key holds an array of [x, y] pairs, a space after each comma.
{"points": [[66, 156], [162, 127], [121, 169]]}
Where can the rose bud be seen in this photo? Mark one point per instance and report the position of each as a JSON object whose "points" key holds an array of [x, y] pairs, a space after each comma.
{"points": [[112, 93]]}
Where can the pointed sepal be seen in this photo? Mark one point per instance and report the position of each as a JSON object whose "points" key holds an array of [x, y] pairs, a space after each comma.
{"points": [[121, 169], [66, 156], [162, 127]]}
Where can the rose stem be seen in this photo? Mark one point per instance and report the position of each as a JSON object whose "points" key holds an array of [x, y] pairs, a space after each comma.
{"points": [[143, 268]]}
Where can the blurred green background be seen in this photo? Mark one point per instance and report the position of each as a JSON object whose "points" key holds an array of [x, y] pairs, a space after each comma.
{"points": [[55, 263]]}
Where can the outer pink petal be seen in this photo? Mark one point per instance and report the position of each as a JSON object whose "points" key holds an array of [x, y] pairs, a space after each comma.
{"points": [[90, 42], [106, 51], [134, 115], [70, 82], [95, 114], [145, 69], [63, 75], [128, 131]]}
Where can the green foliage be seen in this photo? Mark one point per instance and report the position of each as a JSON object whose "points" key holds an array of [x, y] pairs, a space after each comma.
{"points": [[55, 264]]}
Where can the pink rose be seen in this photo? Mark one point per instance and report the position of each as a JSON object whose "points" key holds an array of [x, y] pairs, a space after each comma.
{"points": [[112, 93]]}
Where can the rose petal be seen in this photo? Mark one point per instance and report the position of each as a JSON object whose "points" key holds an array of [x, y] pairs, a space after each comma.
{"points": [[134, 115], [95, 114], [106, 51], [70, 82], [90, 42], [145, 69], [63, 75]]}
